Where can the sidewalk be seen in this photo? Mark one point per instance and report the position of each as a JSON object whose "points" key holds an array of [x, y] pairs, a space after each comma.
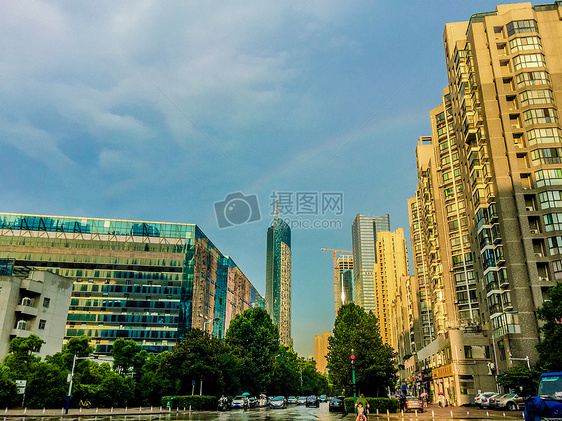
{"points": [[449, 412], [76, 412]]}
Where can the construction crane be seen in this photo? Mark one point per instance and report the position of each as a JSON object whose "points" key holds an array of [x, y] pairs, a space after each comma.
{"points": [[335, 252]]}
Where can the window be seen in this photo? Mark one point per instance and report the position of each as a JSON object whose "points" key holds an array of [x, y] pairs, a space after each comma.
{"points": [[524, 61], [532, 79], [546, 156], [540, 116], [501, 350], [46, 302], [555, 245], [42, 324], [546, 135], [552, 222], [550, 199], [543, 96], [525, 43], [548, 177], [521, 26], [467, 351]]}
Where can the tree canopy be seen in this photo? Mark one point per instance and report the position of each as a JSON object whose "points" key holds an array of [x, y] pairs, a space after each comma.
{"points": [[375, 369], [550, 351]]}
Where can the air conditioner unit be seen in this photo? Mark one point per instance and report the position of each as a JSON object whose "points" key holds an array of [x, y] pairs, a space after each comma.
{"points": [[529, 208], [22, 325], [538, 254], [534, 231]]}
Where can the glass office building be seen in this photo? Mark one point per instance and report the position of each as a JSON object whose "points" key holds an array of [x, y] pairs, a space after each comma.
{"points": [[278, 277], [146, 281], [364, 237]]}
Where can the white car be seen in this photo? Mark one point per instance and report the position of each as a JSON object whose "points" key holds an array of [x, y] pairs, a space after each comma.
{"points": [[237, 402], [483, 396]]}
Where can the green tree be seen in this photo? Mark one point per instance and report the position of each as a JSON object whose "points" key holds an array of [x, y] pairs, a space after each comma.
{"points": [[21, 360], [286, 373], [313, 382], [127, 356], [255, 340], [195, 358], [8, 389], [520, 379], [152, 383], [375, 369], [550, 351], [46, 387]]}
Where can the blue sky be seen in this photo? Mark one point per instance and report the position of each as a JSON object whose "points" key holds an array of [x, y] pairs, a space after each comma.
{"points": [[155, 110]]}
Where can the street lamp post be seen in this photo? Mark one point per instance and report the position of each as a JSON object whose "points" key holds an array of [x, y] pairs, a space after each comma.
{"points": [[216, 319], [522, 359], [71, 381]]}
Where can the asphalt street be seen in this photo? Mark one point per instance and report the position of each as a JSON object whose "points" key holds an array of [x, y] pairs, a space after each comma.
{"points": [[291, 413]]}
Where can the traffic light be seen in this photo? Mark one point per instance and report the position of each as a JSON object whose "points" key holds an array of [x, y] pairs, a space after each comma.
{"points": [[352, 359]]}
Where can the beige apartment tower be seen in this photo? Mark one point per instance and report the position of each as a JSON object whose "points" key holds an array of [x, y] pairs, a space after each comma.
{"points": [[490, 186], [321, 343], [389, 273]]}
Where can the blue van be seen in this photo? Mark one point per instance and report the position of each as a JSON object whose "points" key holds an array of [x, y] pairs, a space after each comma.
{"points": [[547, 405]]}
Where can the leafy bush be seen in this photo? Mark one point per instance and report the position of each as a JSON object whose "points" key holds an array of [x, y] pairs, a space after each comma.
{"points": [[198, 403], [382, 404]]}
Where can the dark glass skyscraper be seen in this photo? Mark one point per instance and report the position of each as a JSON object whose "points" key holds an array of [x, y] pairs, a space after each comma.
{"points": [[278, 277]]}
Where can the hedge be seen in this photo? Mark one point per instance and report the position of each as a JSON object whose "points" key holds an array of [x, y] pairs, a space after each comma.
{"points": [[382, 404], [198, 403]]}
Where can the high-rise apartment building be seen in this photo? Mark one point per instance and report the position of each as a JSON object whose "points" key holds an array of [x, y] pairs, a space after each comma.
{"points": [[146, 281], [364, 236], [391, 280], [492, 181], [278, 278], [344, 273], [321, 343]]}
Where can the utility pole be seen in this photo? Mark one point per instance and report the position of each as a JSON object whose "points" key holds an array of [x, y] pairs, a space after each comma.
{"points": [[353, 377], [334, 252]]}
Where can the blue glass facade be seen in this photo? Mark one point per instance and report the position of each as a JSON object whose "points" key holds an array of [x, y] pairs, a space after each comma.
{"points": [[146, 281]]}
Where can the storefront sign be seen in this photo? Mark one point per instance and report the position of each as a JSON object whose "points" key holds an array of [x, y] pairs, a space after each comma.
{"points": [[444, 371]]}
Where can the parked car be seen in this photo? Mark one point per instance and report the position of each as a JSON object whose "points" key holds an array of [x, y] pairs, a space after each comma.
{"points": [[492, 400], [336, 404], [413, 404], [312, 401], [484, 395], [301, 400], [277, 402], [485, 401], [292, 400], [511, 402], [322, 398], [547, 406]]}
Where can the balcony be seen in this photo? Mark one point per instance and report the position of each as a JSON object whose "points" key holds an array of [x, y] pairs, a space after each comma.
{"points": [[26, 310], [31, 286]]}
